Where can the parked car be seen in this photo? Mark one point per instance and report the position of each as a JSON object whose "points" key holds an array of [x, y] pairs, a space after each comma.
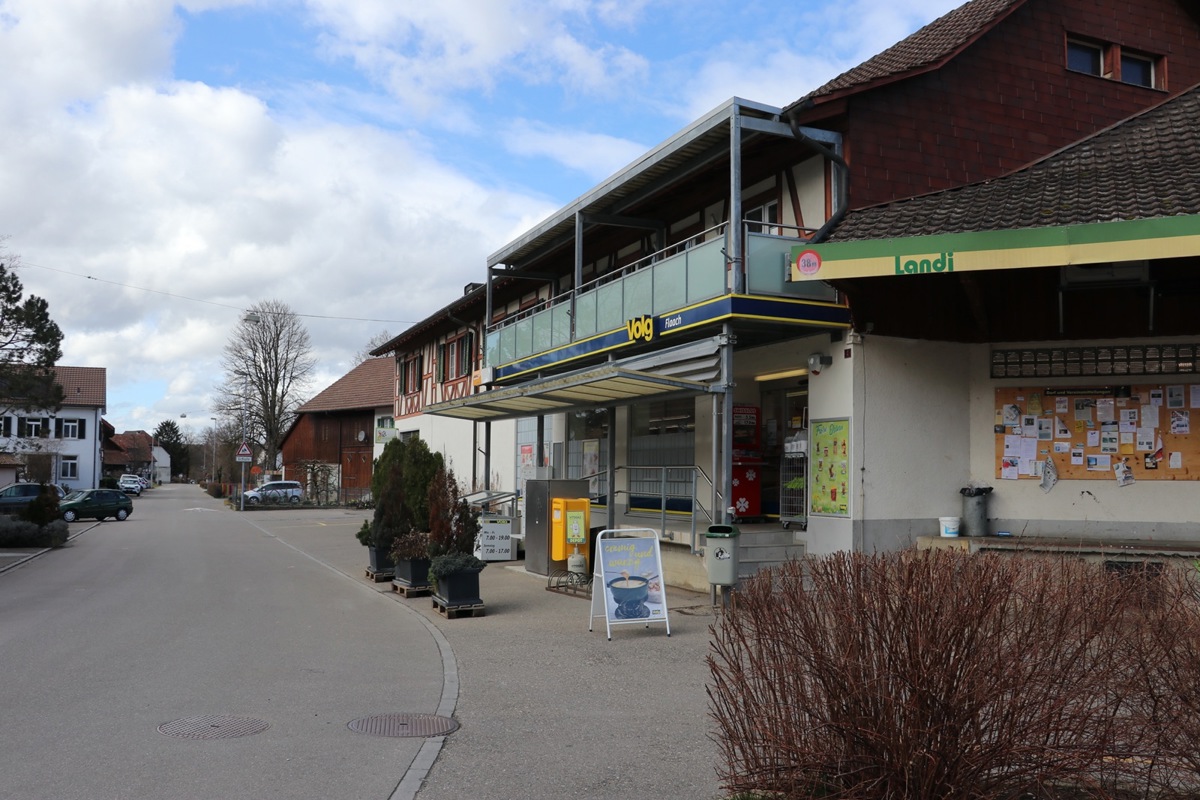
{"points": [[130, 484], [16, 496], [97, 503], [275, 492]]}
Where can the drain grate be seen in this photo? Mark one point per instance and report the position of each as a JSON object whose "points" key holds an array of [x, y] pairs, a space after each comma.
{"points": [[213, 726], [403, 725]]}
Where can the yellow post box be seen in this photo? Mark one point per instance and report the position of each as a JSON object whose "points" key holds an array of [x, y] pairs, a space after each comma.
{"points": [[569, 526]]}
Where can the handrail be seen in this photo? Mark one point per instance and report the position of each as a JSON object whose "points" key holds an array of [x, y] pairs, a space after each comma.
{"points": [[608, 277], [697, 475]]}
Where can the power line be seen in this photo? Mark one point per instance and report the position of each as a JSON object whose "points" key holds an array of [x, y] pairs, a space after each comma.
{"points": [[19, 264]]}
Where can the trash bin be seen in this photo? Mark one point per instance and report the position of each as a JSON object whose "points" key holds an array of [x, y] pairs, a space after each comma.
{"points": [[974, 513], [721, 554]]}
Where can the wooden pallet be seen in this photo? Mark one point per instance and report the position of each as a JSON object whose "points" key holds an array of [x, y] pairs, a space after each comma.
{"points": [[454, 612], [378, 577], [406, 591]]}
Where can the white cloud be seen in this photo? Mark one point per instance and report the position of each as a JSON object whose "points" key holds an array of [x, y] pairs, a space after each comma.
{"points": [[595, 155]]}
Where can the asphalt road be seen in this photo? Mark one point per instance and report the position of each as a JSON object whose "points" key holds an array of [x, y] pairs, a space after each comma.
{"points": [[187, 610]]}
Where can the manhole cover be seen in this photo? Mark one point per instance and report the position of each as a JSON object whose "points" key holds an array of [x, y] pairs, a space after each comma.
{"points": [[213, 726], [403, 725]]}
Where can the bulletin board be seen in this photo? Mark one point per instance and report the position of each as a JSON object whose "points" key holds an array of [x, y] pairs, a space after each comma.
{"points": [[1123, 433]]}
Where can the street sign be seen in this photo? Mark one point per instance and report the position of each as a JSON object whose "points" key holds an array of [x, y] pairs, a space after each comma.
{"points": [[243, 454]]}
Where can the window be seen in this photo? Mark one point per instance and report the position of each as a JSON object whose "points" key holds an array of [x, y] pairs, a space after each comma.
{"points": [[69, 468], [31, 427], [410, 378], [1137, 70], [767, 212], [1085, 57], [454, 358], [385, 422], [69, 428]]}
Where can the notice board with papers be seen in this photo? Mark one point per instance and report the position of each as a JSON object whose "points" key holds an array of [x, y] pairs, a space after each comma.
{"points": [[1149, 431]]}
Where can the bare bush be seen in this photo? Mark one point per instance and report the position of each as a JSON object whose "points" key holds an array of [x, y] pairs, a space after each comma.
{"points": [[934, 675]]}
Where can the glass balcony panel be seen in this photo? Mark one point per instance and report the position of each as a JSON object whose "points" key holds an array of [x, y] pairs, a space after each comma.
{"points": [[670, 284], [523, 333], [610, 313], [492, 353], [639, 294], [585, 315], [508, 341], [560, 317], [542, 331], [706, 271], [767, 266]]}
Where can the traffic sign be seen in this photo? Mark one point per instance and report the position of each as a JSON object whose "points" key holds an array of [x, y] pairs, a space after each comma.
{"points": [[243, 453]]}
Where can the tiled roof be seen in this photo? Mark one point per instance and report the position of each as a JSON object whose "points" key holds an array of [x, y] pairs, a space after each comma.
{"points": [[372, 384], [83, 386], [1141, 168], [927, 48]]}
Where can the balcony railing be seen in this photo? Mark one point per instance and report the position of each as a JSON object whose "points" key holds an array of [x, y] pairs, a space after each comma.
{"points": [[678, 276]]}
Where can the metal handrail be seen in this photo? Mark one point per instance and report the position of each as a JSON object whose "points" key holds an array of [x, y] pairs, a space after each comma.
{"points": [[698, 475]]}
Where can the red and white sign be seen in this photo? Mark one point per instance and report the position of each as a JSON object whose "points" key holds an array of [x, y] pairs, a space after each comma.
{"points": [[244, 454], [808, 262]]}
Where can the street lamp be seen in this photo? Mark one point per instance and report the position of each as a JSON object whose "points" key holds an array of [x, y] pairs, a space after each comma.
{"points": [[254, 319], [213, 474]]}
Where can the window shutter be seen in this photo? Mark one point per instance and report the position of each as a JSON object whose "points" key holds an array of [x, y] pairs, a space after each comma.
{"points": [[420, 372], [468, 362], [58, 428], [441, 364], [83, 429], [20, 427]]}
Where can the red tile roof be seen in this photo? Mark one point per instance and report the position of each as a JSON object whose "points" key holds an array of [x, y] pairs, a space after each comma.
{"points": [[83, 386], [927, 49], [1141, 168], [372, 384]]}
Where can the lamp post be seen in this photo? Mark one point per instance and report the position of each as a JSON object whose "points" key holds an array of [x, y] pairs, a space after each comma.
{"points": [[213, 474], [254, 319]]}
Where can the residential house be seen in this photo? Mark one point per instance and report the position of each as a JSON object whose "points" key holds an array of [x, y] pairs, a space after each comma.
{"points": [[62, 445], [129, 452], [678, 326], [332, 445], [437, 360]]}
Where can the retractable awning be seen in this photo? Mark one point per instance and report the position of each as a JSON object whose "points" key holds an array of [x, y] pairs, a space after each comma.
{"points": [[608, 385]]}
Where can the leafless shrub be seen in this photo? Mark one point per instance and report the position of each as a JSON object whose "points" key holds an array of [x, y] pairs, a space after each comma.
{"points": [[931, 675]]}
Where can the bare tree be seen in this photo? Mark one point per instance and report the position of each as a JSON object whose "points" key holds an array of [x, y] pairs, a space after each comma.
{"points": [[268, 362], [378, 340]]}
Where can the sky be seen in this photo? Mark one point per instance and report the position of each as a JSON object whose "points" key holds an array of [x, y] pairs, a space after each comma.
{"points": [[164, 166]]}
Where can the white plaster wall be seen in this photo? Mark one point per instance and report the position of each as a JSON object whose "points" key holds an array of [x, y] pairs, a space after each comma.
{"points": [[831, 395], [1083, 507], [810, 187], [453, 438], [915, 428], [908, 404]]}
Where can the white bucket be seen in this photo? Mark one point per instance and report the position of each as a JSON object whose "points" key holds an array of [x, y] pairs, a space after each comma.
{"points": [[949, 525]]}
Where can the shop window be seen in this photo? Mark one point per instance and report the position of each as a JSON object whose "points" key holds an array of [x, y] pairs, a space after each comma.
{"points": [[587, 448], [662, 434]]}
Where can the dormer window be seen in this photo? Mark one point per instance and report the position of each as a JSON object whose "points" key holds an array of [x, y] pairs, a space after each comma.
{"points": [[1112, 61]]}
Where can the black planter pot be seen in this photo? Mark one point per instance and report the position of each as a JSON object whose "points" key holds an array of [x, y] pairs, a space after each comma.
{"points": [[381, 561], [459, 589], [412, 572]]}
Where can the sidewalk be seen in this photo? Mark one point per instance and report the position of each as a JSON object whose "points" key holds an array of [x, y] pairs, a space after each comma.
{"points": [[548, 709]]}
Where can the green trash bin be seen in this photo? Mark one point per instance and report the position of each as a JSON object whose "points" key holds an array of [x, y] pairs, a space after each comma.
{"points": [[721, 554]]}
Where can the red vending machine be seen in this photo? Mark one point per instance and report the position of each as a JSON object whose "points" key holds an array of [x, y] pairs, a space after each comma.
{"points": [[747, 464]]}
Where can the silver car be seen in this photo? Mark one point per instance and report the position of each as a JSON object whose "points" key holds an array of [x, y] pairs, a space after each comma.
{"points": [[275, 492]]}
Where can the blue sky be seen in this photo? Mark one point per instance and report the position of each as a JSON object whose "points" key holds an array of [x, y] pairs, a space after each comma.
{"points": [[165, 165]]}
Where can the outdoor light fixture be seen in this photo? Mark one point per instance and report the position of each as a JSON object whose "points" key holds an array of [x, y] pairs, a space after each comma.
{"points": [[817, 361], [778, 376]]}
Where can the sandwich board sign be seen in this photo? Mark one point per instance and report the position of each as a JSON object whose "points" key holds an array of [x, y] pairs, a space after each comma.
{"points": [[627, 584]]}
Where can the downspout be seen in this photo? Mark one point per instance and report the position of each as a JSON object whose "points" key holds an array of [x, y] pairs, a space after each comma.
{"points": [[733, 236], [841, 186]]}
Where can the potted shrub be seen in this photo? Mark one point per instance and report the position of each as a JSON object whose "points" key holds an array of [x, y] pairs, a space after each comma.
{"points": [[453, 528], [400, 484], [410, 555]]}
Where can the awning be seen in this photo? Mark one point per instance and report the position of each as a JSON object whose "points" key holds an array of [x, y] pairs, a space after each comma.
{"points": [[608, 385]]}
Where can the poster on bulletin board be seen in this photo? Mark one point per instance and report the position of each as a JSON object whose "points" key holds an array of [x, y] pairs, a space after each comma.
{"points": [[1120, 433], [829, 457]]}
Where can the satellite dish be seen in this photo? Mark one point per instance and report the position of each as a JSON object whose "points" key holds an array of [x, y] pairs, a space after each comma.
{"points": [[362, 435]]}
